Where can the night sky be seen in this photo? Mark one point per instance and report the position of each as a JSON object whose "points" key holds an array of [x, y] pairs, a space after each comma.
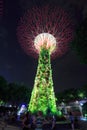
{"points": [[17, 66]]}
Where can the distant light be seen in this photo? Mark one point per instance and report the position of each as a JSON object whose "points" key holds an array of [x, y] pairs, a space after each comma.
{"points": [[46, 40], [23, 105], [81, 95], [86, 115], [10, 105], [83, 118], [81, 104], [22, 110], [77, 102]]}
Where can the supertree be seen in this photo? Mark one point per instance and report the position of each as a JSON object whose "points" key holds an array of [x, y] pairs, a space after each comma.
{"points": [[45, 33]]}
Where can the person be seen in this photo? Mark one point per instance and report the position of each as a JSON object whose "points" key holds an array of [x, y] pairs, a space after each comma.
{"points": [[39, 121], [71, 117], [26, 122], [32, 121], [76, 123], [53, 123]]}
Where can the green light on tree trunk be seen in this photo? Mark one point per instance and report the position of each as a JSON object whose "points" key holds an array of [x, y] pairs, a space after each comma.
{"points": [[43, 97]]}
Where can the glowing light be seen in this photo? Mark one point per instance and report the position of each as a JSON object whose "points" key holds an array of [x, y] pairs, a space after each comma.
{"points": [[81, 95], [86, 115], [81, 104], [43, 97], [10, 105], [83, 118], [45, 40], [22, 110]]}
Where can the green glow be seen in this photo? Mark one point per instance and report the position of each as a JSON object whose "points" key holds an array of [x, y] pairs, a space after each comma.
{"points": [[1, 102], [85, 115], [43, 97], [81, 95]]}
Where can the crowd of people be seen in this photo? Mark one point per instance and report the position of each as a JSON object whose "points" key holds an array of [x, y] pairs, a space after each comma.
{"points": [[41, 122], [38, 122]]}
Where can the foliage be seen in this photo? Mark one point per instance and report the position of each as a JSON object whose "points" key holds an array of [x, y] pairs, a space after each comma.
{"points": [[18, 93], [43, 97], [1, 103], [3, 87], [13, 93], [72, 94], [67, 95], [84, 109]]}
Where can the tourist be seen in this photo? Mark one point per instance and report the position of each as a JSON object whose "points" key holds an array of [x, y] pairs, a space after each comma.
{"points": [[51, 122], [71, 117], [39, 121], [26, 122]]}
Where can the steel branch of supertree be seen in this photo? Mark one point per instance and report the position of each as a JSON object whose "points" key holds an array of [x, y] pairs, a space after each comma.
{"points": [[42, 24]]}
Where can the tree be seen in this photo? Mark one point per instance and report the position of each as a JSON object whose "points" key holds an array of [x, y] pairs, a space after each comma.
{"points": [[13, 93], [85, 89], [18, 93], [84, 109], [3, 87], [81, 93]]}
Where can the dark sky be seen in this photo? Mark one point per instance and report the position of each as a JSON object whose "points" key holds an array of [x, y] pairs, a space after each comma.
{"points": [[17, 66]]}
